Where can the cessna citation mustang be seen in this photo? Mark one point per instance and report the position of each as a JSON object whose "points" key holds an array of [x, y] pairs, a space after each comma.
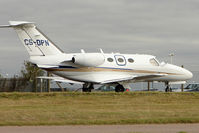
{"points": [[94, 68]]}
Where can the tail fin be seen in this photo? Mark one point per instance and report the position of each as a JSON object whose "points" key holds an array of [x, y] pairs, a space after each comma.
{"points": [[36, 43]]}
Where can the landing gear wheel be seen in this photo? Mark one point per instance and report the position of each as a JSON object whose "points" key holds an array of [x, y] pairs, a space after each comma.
{"points": [[87, 88], [119, 88], [90, 88], [168, 88]]}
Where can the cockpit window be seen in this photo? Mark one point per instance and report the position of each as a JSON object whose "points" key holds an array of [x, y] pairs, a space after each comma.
{"points": [[154, 62]]}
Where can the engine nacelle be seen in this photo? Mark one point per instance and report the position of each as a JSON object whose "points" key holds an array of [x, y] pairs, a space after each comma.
{"points": [[89, 59]]}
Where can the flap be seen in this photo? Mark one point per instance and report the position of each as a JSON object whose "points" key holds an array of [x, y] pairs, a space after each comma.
{"points": [[47, 66]]}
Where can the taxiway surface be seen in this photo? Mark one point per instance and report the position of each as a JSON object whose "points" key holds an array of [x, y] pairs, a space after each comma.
{"points": [[145, 128]]}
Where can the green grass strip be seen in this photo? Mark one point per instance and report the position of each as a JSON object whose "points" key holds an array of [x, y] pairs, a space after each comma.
{"points": [[99, 108]]}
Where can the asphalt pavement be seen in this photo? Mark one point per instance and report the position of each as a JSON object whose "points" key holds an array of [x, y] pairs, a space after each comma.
{"points": [[143, 128]]}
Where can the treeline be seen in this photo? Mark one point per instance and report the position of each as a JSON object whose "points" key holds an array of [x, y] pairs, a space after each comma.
{"points": [[26, 81], [15, 84]]}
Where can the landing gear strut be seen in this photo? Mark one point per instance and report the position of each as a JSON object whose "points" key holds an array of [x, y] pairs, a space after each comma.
{"points": [[119, 88], [87, 87], [168, 88]]}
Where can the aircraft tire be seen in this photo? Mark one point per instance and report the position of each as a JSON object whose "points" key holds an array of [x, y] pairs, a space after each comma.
{"points": [[167, 89], [170, 90], [86, 89], [119, 88]]}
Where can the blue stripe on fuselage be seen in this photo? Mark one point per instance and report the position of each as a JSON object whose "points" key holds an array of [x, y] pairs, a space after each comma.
{"points": [[94, 67], [115, 68]]}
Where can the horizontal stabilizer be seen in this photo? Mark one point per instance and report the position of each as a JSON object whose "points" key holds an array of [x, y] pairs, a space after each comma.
{"points": [[60, 79], [16, 23], [5, 26], [46, 66], [19, 23]]}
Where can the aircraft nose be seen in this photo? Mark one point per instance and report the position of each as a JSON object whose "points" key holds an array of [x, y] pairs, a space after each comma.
{"points": [[188, 74]]}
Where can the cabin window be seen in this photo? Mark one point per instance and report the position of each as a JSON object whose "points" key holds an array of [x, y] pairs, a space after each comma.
{"points": [[154, 62], [130, 60], [110, 59], [120, 60]]}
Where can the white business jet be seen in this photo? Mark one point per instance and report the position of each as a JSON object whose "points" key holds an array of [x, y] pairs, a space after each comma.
{"points": [[94, 68]]}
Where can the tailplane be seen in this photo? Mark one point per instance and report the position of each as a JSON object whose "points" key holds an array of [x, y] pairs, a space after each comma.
{"points": [[36, 43]]}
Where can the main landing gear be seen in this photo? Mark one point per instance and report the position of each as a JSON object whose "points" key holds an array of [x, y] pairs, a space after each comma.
{"points": [[87, 87], [119, 88], [168, 88]]}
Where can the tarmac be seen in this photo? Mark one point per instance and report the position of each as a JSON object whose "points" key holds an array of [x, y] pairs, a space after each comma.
{"points": [[143, 128]]}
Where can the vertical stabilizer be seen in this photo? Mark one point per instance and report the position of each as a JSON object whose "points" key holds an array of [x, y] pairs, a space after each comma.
{"points": [[36, 43]]}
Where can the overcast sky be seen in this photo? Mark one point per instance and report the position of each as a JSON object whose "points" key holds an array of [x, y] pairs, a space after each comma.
{"points": [[156, 27]]}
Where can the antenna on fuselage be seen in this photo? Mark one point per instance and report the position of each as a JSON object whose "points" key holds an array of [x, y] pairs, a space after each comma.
{"points": [[82, 51], [101, 51], [171, 57]]}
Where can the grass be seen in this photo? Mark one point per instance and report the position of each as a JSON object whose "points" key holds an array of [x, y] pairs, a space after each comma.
{"points": [[98, 108]]}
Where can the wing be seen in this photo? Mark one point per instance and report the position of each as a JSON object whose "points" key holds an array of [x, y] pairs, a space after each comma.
{"points": [[128, 78], [110, 78], [60, 79], [119, 79], [148, 77], [177, 82]]}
